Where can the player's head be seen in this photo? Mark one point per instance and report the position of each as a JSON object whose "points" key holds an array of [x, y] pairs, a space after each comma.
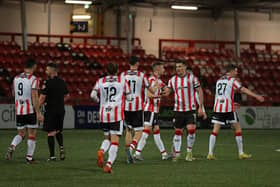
{"points": [[158, 68], [134, 62], [232, 70], [51, 69], [181, 67], [30, 65], [112, 68]]}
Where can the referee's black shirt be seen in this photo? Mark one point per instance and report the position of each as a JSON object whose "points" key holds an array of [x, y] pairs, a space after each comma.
{"points": [[54, 89]]}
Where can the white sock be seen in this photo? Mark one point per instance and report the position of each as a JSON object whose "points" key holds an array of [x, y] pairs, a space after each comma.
{"points": [[177, 141], [159, 142], [142, 142], [239, 142], [112, 153], [212, 141], [31, 144], [191, 140], [17, 140], [105, 145]]}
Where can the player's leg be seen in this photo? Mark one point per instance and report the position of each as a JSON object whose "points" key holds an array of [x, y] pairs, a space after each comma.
{"points": [[190, 141], [212, 141], [218, 119], [239, 142], [104, 145], [138, 129], [191, 121], [179, 124], [142, 142], [51, 145], [116, 130], [128, 135], [159, 143], [59, 135], [148, 120], [16, 141], [31, 144]]}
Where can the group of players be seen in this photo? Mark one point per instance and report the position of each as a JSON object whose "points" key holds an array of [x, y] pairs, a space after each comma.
{"points": [[131, 101], [122, 104]]}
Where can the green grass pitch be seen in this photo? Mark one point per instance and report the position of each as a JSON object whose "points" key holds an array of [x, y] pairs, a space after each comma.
{"points": [[79, 168]]}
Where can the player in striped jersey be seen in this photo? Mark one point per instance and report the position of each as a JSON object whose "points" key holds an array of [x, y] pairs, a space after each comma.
{"points": [[26, 87], [134, 109], [112, 90], [184, 85], [224, 109], [151, 112]]}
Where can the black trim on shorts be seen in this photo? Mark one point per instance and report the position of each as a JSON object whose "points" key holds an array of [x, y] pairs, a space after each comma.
{"points": [[151, 118]]}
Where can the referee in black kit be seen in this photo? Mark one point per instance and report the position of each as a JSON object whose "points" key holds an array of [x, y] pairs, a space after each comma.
{"points": [[54, 93]]}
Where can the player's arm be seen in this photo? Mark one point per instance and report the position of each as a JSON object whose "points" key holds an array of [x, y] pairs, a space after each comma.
{"points": [[66, 97], [167, 90], [42, 99], [94, 95], [35, 99], [66, 93], [252, 94], [200, 96], [203, 108]]}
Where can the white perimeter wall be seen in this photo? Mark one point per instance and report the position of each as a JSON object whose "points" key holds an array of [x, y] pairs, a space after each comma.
{"points": [[166, 23]]}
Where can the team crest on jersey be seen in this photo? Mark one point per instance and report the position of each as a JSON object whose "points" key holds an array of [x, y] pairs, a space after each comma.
{"points": [[108, 109]]}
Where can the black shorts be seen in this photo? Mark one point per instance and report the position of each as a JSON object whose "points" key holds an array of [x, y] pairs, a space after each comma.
{"points": [[134, 120], [113, 128], [184, 118], [225, 118], [150, 118], [53, 121], [28, 120]]}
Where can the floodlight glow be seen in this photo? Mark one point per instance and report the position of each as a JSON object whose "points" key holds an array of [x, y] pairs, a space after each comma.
{"points": [[78, 2], [179, 7], [81, 17]]}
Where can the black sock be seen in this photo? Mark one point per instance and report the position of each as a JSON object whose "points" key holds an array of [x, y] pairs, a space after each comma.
{"points": [[59, 139], [51, 145]]}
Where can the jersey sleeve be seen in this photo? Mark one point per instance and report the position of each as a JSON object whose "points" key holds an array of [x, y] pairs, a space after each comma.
{"points": [[35, 84], [170, 84], [196, 82], [97, 86], [236, 84], [146, 81]]}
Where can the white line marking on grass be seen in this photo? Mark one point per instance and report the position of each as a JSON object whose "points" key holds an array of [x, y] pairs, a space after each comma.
{"points": [[278, 150]]}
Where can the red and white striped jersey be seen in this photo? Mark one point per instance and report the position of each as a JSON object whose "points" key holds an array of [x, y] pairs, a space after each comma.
{"points": [[184, 92], [23, 85], [136, 80], [225, 88], [112, 90], [153, 104]]}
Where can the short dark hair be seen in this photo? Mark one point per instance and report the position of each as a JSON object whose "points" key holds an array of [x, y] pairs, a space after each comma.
{"points": [[30, 63], [157, 63], [133, 60], [231, 67], [181, 62], [53, 65], [112, 68]]}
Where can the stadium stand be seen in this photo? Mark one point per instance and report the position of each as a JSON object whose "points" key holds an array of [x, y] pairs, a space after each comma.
{"points": [[82, 63]]}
